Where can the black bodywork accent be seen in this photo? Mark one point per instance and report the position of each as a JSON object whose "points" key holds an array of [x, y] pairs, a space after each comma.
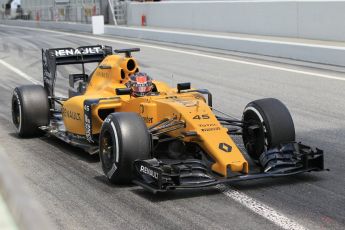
{"points": [[183, 86], [123, 91], [127, 52], [88, 116], [163, 175], [77, 77]]}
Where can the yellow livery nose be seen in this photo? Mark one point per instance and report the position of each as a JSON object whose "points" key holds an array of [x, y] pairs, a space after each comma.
{"points": [[218, 144]]}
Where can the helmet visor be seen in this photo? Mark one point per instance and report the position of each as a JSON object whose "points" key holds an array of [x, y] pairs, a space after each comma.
{"points": [[141, 89]]}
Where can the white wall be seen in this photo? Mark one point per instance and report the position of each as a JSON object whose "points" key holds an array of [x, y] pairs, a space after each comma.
{"points": [[323, 20], [332, 55]]}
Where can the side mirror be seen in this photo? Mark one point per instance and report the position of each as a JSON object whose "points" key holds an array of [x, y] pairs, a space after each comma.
{"points": [[123, 91], [183, 86]]}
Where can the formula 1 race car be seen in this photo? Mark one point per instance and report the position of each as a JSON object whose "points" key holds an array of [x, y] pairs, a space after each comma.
{"points": [[169, 138]]}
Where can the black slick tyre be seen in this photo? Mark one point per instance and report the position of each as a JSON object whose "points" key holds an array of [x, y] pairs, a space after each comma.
{"points": [[124, 138], [268, 123], [30, 110]]}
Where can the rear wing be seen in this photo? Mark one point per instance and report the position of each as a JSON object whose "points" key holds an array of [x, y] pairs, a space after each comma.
{"points": [[66, 56]]}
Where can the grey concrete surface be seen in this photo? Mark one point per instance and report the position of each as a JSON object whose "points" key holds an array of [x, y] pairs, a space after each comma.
{"points": [[320, 20], [23, 212], [324, 52], [76, 194]]}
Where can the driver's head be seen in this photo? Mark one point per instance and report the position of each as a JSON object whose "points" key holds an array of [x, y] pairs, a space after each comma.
{"points": [[140, 84]]}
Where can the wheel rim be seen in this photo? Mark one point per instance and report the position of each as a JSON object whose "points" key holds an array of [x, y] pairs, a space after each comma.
{"points": [[254, 140], [16, 113], [107, 153]]}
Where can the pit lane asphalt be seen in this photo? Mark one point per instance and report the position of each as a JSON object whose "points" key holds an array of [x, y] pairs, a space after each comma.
{"points": [[71, 186]]}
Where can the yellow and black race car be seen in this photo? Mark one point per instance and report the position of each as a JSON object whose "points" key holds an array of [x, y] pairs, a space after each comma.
{"points": [[166, 138]]}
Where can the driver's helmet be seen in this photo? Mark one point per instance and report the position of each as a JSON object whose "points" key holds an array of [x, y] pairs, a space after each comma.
{"points": [[140, 84]]}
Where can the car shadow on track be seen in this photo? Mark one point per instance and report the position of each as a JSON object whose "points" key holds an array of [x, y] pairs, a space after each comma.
{"points": [[65, 148], [103, 179], [174, 194], [241, 186], [71, 150]]}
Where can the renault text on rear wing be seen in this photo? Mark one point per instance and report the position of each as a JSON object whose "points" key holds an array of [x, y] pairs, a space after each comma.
{"points": [[84, 54]]}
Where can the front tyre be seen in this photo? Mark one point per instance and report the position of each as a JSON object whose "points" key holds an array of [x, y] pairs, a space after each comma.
{"points": [[30, 110], [268, 123], [124, 138]]}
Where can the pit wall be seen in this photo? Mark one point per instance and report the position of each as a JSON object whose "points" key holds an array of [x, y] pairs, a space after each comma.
{"points": [[324, 54], [320, 20]]}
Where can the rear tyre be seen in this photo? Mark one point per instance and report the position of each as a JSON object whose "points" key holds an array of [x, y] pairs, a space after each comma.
{"points": [[30, 110], [268, 124], [124, 138]]}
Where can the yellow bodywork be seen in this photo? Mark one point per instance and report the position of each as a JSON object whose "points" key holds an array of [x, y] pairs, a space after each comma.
{"points": [[190, 107]]}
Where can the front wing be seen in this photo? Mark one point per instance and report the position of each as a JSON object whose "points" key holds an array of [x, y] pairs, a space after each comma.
{"points": [[285, 160]]}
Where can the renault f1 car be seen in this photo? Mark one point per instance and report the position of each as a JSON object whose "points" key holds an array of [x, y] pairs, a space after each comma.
{"points": [[171, 138]]}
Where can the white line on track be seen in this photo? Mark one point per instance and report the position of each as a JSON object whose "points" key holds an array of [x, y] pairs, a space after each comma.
{"points": [[260, 208], [25, 76], [245, 200], [19, 72], [308, 73], [251, 63], [261, 40]]}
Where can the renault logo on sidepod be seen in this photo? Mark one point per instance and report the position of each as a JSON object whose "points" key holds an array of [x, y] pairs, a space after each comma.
{"points": [[225, 147]]}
